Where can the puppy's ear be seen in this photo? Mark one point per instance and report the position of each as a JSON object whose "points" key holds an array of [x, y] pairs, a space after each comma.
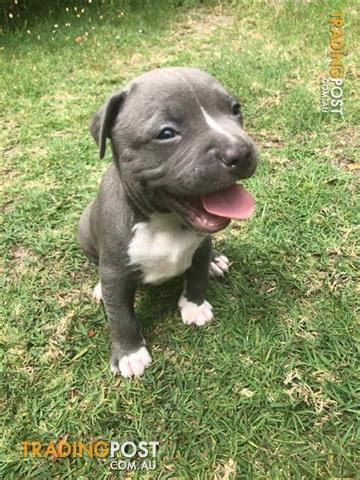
{"points": [[104, 120]]}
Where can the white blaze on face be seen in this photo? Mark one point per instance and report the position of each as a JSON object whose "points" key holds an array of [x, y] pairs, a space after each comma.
{"points": [[214, 124]]}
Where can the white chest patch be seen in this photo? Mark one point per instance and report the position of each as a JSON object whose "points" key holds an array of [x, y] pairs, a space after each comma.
{"points": [[161, 248]]}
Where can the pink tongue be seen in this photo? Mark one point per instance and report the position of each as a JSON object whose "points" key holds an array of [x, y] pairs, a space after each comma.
{"points": [[233, 202]]}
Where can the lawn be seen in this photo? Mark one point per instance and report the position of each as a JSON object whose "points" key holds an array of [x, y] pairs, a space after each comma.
{"points": [[271, 388]]}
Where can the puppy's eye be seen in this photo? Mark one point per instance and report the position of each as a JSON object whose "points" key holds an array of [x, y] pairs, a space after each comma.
{"points": [[166, 134], [236, 109]]}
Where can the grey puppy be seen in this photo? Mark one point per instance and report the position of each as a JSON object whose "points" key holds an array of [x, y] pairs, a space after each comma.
{"points": [[178, 148]]}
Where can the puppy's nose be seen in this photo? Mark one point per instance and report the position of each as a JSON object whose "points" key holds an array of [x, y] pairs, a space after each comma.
{"points": [[237, 155]]}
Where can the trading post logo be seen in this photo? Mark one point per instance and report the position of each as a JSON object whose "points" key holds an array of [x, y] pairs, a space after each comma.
{"points": [[126, 455], [331, 99]]}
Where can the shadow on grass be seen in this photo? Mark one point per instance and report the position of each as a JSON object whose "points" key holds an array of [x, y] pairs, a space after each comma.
{"points": [[258, 289]]}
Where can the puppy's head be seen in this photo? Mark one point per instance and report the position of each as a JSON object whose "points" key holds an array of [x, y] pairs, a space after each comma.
{"points": [[179, 145]]}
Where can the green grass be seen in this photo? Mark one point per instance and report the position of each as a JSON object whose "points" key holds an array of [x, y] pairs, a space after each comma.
{"points": [[271, 388]]}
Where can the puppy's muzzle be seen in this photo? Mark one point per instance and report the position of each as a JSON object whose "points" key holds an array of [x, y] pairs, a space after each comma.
{"points": [[239, 158]]}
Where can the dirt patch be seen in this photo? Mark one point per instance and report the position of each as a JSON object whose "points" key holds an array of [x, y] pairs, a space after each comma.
{"points": [[343, 153], [8, 125], [8, 175], [21, 257], [200, 24], [43, 184], [10, 152], [348, 137], [55, 350], [60, 99], [195, 27], [300, 390], [226, 471], [265, 139]]}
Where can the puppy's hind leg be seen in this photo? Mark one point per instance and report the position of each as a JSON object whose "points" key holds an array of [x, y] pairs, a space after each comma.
{"points": [[85, 237], [87, 246], [219, 264], [97, 293]]}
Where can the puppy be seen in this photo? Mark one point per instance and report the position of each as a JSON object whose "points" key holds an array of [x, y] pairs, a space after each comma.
{"points": [[178, 148]]}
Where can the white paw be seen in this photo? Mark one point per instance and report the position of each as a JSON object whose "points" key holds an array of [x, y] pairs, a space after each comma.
{"points": [[97, 293], [132, 365], [191, 313], [218, 266]]}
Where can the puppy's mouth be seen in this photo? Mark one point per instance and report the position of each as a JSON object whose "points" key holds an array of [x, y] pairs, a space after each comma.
{"points": [[212, 212]]}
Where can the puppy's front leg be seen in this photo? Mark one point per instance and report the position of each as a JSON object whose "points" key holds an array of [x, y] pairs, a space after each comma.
{"points": [[129, 356], [193, 306]]}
